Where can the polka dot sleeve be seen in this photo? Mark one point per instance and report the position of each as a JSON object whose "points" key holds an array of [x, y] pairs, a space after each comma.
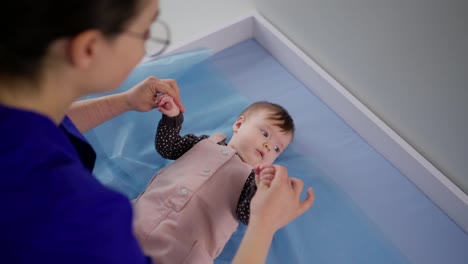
{"points": [[243, 206], [168, 141]]}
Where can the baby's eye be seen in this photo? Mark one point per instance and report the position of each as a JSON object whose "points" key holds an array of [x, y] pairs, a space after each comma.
{"points": [[277, 150], [264, 133]]}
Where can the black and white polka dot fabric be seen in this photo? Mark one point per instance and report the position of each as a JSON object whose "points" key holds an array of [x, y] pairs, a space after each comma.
{"points": [[243, 205], [171, 145]]}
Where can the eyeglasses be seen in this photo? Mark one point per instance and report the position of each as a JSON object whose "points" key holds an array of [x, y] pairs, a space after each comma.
{"points": [[155, 46]]}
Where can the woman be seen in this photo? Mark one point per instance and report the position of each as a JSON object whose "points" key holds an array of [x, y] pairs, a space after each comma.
{"points": [[53, 209]]}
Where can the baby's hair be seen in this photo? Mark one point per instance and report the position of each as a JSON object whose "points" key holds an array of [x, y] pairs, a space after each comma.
{"points": [[276, 113]]}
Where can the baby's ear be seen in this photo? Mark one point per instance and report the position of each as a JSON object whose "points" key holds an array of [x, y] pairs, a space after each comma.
{"points": [[238, 123]]}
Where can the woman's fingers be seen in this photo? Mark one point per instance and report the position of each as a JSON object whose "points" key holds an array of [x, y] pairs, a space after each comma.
{"points": [[172, 89], [308, 202], [298, 186]]}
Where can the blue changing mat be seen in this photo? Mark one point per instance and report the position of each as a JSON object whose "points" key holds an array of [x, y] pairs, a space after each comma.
{"points": [[365, 211]]}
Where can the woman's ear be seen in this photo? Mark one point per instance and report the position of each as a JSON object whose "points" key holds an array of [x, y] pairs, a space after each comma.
{"points": [[238, 123], [84, 47]]}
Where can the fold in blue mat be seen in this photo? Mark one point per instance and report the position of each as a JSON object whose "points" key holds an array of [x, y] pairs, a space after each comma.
{"points": [[126, 157], [366, 211]]}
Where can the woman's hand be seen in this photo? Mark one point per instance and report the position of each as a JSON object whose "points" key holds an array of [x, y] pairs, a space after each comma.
{"points": [[275, 205], [272, 207], [142, 97], [167, 106]]}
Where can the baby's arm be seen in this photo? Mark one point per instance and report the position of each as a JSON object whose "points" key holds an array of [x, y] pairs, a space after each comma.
{"points": [[243, 205], [261, 173], [168, 141]]}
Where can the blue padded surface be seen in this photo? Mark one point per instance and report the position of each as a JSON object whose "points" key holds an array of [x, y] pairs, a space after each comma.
{"points": [[366, 211]]}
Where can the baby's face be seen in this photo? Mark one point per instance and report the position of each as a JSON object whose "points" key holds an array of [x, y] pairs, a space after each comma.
{"points": [[258, 140]]}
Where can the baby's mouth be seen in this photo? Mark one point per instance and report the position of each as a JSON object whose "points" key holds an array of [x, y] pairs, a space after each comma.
{"points": [[260, 153]]}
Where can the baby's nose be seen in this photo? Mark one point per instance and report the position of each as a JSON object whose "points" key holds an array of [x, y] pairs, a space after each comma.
{"points": [[266, 145]]}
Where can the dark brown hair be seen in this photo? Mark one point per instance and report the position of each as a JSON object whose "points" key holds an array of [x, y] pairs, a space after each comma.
{"points": [[30, 26], [275, 112]]}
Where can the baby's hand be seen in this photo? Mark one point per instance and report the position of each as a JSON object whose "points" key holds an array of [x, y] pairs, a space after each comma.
{"points": [[167, 106], [264, 173]]}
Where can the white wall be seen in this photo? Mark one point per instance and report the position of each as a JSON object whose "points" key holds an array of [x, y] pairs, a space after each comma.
{"points": [[405, 60], [189, 19]]}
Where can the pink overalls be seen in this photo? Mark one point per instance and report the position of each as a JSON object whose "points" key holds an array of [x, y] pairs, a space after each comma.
{"points": [[188, 211]]}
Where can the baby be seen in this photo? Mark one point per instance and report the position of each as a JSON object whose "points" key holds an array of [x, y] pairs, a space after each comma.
{"points": [[190, 208]]}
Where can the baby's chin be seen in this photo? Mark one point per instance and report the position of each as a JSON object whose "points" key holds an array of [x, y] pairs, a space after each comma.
{"points": [[251, 161]]}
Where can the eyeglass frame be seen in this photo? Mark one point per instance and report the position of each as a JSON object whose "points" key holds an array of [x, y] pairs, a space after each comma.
{"points": [[147, 37]]}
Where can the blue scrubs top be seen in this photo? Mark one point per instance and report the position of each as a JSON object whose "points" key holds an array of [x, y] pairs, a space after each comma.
{"points": [[53, 210]]}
